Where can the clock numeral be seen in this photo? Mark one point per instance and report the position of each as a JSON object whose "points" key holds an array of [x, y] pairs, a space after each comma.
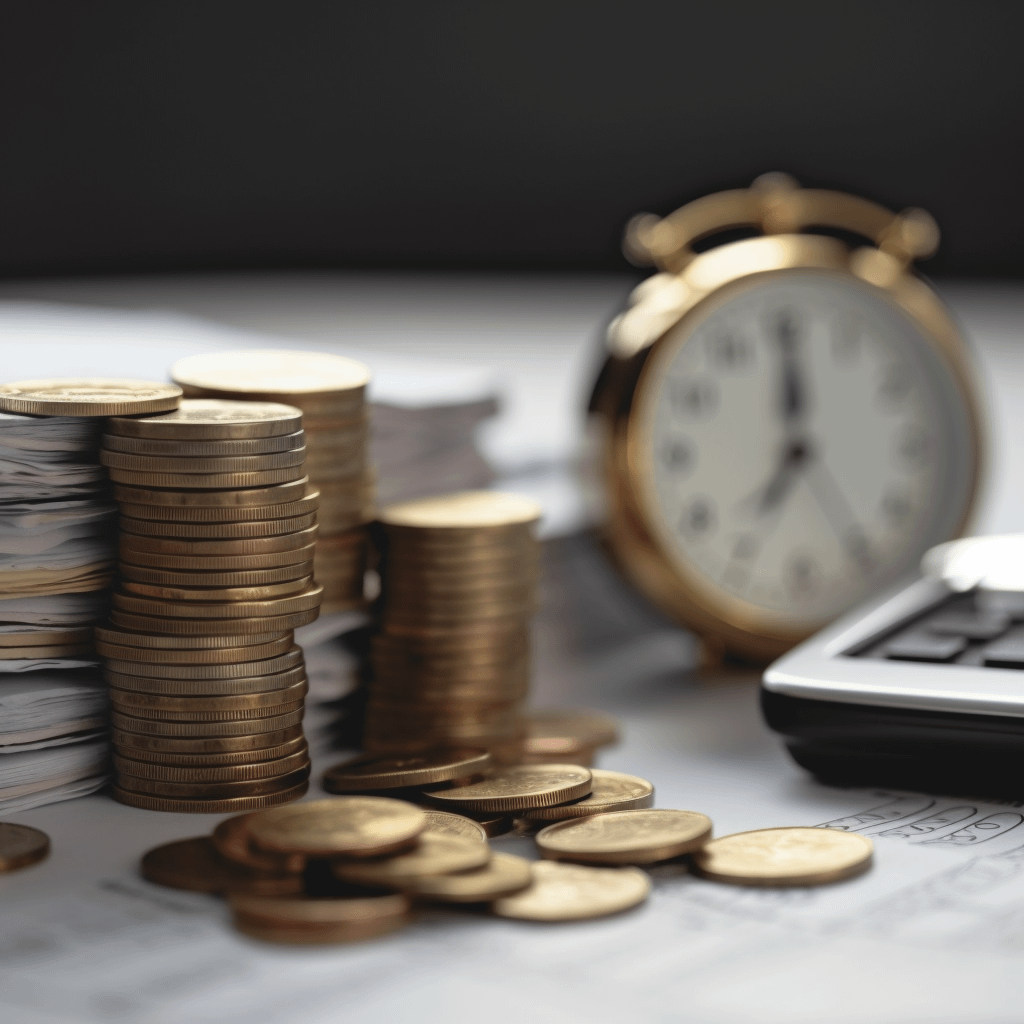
{"points": [[730, 353], [678, 455], [699, 518], [895, 386], [695, 398], [745, 547], [803, 573]]}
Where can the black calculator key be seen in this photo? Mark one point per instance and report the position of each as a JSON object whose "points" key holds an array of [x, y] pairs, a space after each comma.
{"points": [[971, 624], [925, 647], [1007, 651]]}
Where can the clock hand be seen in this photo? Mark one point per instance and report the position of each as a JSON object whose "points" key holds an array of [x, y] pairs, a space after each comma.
{"points": [[793, 403], [771, 495], [834, 504]]}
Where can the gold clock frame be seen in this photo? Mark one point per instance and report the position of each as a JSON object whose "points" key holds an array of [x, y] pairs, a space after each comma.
{"points": [[687, 283]]}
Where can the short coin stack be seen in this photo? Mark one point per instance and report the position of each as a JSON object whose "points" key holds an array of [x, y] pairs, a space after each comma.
{"points": [[331, 392], [451, 664], [217, 531]]}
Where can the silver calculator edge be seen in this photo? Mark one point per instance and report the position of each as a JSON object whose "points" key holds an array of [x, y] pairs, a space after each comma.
{"points": [[820, 668]]}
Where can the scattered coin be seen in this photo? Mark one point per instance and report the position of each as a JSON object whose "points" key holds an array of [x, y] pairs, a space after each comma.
{"points": [[21, 846], [231, 840], [612, 791], [519, 787], [502, 876], [445, 823], [369, 772], [570, 736], [625, 837], [195, 865], [434, 854], [351, 826], [785, 856], [571, 892], [88, 396]]}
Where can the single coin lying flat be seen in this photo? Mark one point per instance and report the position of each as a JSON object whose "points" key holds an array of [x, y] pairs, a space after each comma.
{"points": [[348, 826], [785, 856], [502, 876], [572, 892], [435, 854], [370, 772], [88, 396], [625, 837], [444, 823], [195, 865], [612, 791], [465, 510], [516, 788], [21, 846]]}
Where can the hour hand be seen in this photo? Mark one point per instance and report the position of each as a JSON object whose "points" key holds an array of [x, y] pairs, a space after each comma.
{"points": [[767, 498]]}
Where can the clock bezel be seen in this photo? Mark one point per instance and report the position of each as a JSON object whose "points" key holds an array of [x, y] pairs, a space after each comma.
{"points": [[734, 623]]}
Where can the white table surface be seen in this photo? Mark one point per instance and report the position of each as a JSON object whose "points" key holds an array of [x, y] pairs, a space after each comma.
{"points": [[932, 933]]}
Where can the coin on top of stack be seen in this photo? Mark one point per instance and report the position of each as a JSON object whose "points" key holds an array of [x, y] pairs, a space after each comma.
{"points": [[207, 685], [451, 663], [331, 392]]}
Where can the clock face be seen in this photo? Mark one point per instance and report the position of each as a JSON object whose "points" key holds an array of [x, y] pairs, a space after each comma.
{"points": [[804, 446]]}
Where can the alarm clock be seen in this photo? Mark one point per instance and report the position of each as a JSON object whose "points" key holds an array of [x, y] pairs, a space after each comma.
{"points": [[786, 420]]}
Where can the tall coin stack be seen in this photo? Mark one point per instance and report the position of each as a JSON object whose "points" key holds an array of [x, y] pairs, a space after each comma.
{"points": [[331, 392], [451, 664], [216, 563]]}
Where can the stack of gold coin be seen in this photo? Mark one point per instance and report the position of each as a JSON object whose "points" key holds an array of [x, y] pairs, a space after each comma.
{"points": [[330, 390], [451, 665], [216, 571]]}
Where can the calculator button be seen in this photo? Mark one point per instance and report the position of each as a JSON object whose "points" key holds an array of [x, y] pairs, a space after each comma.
{"points": [[925, 647], [1007, 651], [973, 625]]}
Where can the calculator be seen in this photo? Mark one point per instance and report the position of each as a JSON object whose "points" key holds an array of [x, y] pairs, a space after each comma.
{"points": [[921, 688]]}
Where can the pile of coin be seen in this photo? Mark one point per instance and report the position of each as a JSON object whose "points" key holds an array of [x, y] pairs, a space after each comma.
{"points": [[451, 664], [216, 571], [331, 392]]}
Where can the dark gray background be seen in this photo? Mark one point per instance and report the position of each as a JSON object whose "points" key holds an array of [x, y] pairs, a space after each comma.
{"points": [[164, 135]]}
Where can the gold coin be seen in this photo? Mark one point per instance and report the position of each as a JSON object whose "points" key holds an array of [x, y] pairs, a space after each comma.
{"points": [[503, 876], [571, 892], [196, 866], [560, 750], [369, 773], [220, 656], [785, 856], [351, 826], [218, 531], [454, 561], [214, 483], [200, 627], [242, 546], [513, 789], [492, 824], [245, 742], [230, 448], [213, 580], [290, 658], [214, 563], [215, 760], [434, 854], [206, 687], [444, 823], [302, 505], [309, 598], [46, 638], [204, 730], [586, 729], [218, 594], [428, 617], [231, 840], [320, 910], [236, 496], [209, 774], [625, 837], [53, 651], [481, 648], [148, 802], [195, 465], [612, 791], [338, 520], [499, 683], [88, 396], [213, 419], [205, 717], [467, 510], [145, 705], [21, 846], [188, 643], [213, 790], [320, 934], [477, 632], [327, 426], [272, 372]]}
